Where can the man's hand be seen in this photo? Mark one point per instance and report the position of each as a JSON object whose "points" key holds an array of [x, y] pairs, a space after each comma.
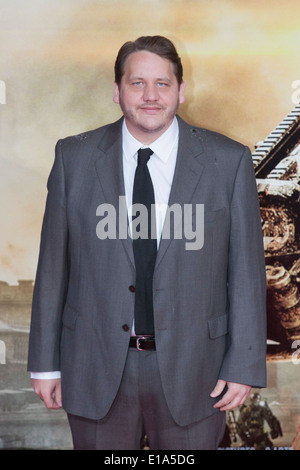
{"points": [[235, 396], [49, 390]]}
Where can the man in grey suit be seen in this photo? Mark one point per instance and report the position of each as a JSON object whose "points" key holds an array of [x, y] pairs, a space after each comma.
{"points": [[201, 294]]}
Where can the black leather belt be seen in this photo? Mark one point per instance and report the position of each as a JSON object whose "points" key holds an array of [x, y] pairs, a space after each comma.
{"points": [[142, 343]]}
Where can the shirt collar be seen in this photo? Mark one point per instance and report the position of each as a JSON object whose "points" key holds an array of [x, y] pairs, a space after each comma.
{"points": [[162, 147]]}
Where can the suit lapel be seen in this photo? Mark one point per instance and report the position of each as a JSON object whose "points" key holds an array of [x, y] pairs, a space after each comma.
{"points": [[188, 170], [109, 168]]}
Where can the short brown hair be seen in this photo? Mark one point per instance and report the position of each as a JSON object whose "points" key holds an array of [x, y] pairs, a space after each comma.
{"points": [[156, 44]]}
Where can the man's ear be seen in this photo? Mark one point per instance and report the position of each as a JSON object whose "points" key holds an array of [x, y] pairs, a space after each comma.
{"points": [[116, 94]]}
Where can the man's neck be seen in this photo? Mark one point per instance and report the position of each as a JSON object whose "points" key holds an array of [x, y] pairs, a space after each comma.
{"points": [[146, 137]]}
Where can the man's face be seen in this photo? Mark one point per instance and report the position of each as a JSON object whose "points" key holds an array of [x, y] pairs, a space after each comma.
{"points": [[149, 95]]}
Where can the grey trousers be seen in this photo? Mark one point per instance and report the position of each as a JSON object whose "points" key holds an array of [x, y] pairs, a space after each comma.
{"points": [[140, 408]]}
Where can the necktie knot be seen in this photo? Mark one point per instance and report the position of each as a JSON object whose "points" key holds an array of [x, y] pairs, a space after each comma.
{"points": [[144, 155]]}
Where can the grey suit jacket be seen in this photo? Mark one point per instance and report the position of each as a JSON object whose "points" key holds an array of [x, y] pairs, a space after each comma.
{"points": [[209, 304]]}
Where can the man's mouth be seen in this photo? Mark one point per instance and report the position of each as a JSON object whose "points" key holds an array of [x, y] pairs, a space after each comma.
{"points": [[151, 109]]}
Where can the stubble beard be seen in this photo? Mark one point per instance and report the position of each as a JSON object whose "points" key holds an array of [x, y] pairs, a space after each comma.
{"points": [[132, 117]]}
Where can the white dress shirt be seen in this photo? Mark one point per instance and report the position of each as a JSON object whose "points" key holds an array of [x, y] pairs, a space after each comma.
{"points": [[161, 168]]}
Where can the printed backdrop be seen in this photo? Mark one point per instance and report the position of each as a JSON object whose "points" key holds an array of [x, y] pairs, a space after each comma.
{"points": [[241, 67]]}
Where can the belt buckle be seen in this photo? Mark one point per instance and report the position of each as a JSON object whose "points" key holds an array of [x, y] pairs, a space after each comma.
{"points": [[138, 347]]}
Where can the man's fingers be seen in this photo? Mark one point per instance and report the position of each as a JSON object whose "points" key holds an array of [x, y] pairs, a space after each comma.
{"points": [[235, 396], [49, 390], [218, 388], [58, 399]]}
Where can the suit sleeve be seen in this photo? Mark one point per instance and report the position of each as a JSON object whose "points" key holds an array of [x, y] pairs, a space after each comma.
{"points": [[245, 361], [52, 276]]}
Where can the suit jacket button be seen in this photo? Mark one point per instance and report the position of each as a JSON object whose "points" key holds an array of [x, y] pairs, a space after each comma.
{"points": [[132, 288], [125, 327]]}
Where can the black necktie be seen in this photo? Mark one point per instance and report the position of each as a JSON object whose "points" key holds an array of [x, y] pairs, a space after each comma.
{"points": [[144, 248]]}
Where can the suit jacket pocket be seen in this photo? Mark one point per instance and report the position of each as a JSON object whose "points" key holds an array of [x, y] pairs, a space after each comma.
{"points": [[218, 326], [69, 317]]}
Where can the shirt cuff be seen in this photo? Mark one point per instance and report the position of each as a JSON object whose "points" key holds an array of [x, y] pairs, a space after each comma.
{"points": [[46, 375]]}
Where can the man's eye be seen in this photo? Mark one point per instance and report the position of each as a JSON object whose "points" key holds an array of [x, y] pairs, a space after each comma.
{"points": [[161, 84]]}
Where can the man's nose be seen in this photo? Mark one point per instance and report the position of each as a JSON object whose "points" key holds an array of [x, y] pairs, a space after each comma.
{"points": [[150, 93]]}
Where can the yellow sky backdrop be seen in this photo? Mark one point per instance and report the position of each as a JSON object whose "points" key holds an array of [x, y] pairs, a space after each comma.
{"points": [[240, 59]]}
